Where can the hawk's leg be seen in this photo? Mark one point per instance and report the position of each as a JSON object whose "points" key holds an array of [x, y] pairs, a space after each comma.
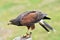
{"points": [[29, 32]]}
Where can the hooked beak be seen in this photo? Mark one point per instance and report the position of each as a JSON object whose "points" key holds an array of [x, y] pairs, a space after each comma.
{"points": [[9, 24]]}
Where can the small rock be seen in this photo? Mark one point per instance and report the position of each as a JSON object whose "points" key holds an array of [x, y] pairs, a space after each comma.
{"points": [[21, 38]]}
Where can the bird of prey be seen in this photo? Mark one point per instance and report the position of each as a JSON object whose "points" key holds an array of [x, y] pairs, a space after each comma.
{"points": [[29, 18]]}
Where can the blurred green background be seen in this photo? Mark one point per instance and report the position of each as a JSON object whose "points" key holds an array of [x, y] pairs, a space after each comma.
{"points": [[10, 9]]}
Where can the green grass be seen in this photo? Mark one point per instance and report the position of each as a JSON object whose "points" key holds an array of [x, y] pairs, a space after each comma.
{"points": [[10, 9]]}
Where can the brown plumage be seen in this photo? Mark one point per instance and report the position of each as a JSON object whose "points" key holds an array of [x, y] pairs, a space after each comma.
{"points": [[28, 19]]}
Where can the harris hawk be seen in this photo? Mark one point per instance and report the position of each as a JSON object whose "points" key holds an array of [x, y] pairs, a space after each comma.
{"points": [[29, 18]]}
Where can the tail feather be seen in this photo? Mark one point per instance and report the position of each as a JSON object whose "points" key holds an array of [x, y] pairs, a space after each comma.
{"points": [[46, 18]]}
